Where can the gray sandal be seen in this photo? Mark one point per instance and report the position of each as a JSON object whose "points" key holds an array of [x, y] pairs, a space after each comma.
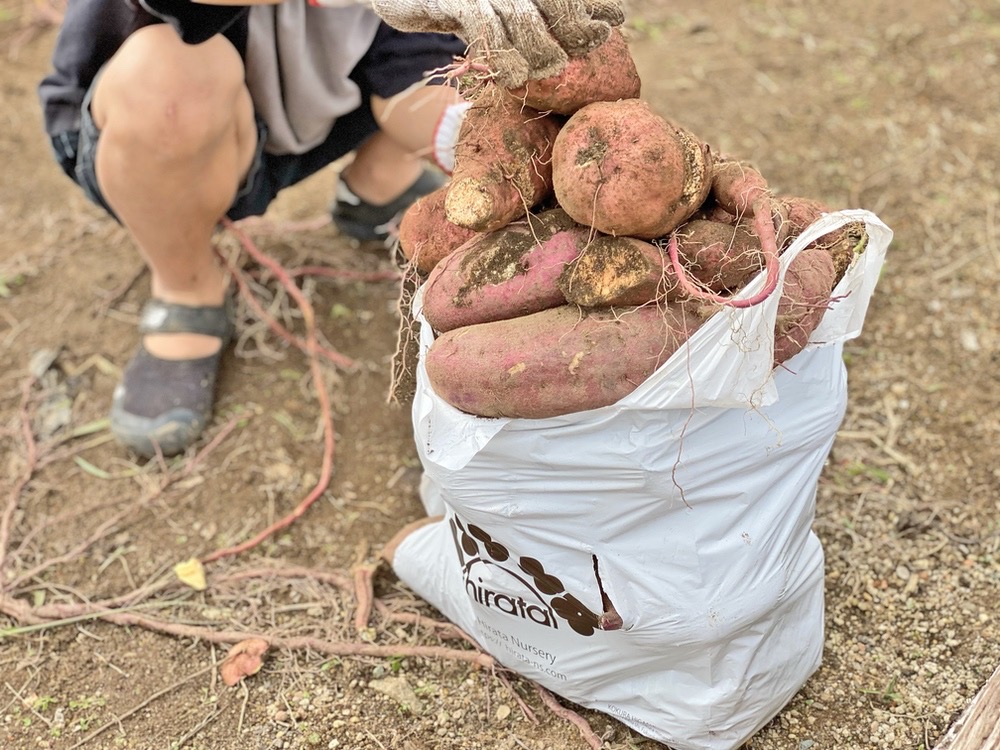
{"points": [[165, 404]]}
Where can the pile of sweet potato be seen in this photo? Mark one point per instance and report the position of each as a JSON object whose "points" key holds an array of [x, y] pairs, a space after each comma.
{"points": [[583, 238]]}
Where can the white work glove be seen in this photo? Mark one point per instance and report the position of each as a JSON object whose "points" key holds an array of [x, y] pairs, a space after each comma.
{"points": [[516, 39]]}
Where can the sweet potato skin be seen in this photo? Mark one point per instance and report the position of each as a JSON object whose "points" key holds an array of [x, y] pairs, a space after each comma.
{"points": [[625, 170], [606, 74], [503, 162], [556, 361], [503, 274], [805, 298], [720, 256], [616, 272], [800, 213], [425, 234], [736, 186]]}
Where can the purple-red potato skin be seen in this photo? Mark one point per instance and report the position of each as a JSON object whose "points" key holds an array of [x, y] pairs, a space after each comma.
{"points": [[736, 186], [805, 298], [557, 361], [720, 256], [606, 74], [503, 162], [425, 234], [504, 274], [625, 170], [800, 213], [617, 272]]}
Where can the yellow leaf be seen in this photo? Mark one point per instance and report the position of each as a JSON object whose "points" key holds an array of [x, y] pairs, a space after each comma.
{"points": [[192, 572]]}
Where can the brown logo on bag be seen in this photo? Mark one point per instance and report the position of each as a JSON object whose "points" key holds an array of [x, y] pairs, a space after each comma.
{"points": [[476, 547]]}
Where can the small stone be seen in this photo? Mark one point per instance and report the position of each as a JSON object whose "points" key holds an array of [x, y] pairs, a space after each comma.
{"points": [[503, 711], [969, 341], [399, 690]]}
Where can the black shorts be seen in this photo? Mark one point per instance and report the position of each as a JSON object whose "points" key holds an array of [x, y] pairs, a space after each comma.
{"points": [[394, 62]]}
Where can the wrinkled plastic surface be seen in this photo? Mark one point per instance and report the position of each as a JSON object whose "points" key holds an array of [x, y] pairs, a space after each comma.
{"points": [[652, 559]]}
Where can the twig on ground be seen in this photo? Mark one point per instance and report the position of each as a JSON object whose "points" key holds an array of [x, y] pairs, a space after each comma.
{"points": [[263, 227], [292, 571], [344, 275], [27, 704], [117, 294], [441, 629], [334, 357], [180, 742]]}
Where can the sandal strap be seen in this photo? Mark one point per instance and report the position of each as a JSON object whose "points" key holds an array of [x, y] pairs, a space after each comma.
{"points": [[168, 317]]}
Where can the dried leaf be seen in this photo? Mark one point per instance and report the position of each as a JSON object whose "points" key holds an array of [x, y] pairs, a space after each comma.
{"points": [[244, 659], [192, 572]]}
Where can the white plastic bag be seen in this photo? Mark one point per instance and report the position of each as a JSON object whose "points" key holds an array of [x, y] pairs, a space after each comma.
{"points": [[652, 559]]}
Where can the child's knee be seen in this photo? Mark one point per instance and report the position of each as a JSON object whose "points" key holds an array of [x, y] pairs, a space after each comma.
{"points": [[162, 93]]}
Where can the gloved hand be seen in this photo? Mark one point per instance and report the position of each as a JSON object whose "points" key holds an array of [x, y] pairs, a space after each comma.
{"points": [[518, 39]]}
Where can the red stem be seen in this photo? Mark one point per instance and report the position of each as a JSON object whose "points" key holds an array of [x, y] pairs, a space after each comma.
{"points": [[311, 348], [763, 224]]}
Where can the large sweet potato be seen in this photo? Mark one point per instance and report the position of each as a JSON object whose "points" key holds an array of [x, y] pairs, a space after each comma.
{"points": [[503, 274], [503, 164], [554, 362], [605, 74], [425, 234], [625, 170]]}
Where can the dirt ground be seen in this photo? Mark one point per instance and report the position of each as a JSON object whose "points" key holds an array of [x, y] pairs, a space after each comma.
{"points": [[853, 103]]}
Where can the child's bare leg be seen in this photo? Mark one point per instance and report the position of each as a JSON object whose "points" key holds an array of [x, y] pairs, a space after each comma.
{"points": [[391, 160], [177, 137]]}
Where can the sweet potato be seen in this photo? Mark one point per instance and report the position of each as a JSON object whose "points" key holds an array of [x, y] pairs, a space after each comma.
{"points": [[842, 244], [503, 274], [722, 257], [425, 234], [606, 74], [740, 190], [618, 271], [712, 211], [805, 297], [503, 165], [625, 170], [800, 213], [556, 361], [736, 185]]}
